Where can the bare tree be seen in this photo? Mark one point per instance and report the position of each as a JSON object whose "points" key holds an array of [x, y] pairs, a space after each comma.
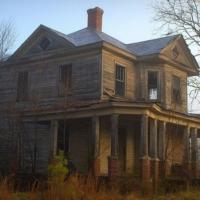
{"points": [[7, 38], [181, 16]]}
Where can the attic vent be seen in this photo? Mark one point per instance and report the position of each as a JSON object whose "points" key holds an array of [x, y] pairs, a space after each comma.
{"points": [[175, 52], [44, 44]]}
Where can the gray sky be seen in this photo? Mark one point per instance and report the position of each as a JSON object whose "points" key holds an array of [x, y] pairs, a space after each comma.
{"points": [[127, 20]]}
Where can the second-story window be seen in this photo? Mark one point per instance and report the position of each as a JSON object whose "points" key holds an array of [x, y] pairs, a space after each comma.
{"points": [[176, 89], [22, 86], [152, 85], [120, 80], [65, 79]]}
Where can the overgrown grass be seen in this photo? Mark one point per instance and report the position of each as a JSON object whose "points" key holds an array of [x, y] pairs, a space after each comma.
{"points": [[81, 188]]}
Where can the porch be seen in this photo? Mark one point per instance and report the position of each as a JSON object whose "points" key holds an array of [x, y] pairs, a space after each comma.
{"points": [[120, 145]]}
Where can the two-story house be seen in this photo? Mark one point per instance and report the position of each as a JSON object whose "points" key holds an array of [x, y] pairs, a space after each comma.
{"points": [[113, 108]]}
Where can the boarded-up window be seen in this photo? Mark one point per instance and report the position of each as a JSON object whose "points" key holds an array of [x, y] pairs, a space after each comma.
{"points": [[176, 89], [120, 80], [65, 79], [153, 85], [22, 86]]}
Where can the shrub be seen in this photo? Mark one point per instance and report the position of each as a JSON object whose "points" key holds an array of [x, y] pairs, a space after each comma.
{"points": [[58, 170]]}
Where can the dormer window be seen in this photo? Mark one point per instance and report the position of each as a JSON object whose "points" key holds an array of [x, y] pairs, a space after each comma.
{"points": [[152, 85], [44, 44]]}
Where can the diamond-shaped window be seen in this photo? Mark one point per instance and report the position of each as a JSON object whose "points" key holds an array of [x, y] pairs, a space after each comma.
{"points": [[44, 44], [175, 52]]}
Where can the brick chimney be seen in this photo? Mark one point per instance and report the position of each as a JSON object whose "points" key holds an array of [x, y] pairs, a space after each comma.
{"points": [[95, 18]]}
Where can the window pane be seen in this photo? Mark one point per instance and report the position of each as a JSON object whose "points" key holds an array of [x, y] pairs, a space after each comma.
{"points": [[120, 88], [120, 73], [153, 85], [152, 79], [153, 94], [120, 80]]}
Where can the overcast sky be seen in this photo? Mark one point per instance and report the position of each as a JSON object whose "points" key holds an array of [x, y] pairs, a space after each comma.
{"points": [[126, 20]]}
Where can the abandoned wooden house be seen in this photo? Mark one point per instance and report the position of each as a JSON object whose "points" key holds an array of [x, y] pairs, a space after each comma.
{"points": [[115, 109]]}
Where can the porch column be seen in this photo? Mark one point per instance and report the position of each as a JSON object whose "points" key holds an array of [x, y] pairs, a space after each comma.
{"points": [[186, 156], [154, 151], [96, 146], [145, 160], [113, 164], [54, 136], [193, 152], [162, 147]]}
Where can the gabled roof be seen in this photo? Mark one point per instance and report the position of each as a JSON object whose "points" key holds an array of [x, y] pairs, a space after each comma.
{"points": [[89, 36], [151, 46]]}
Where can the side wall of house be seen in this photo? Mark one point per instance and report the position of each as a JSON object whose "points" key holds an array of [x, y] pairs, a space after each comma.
{"points": [[43, 81], [169, 104], [43, 87], [109, 61], [142, 79], [165, 81], [24, 146], [80, 144], [174, 147], [35, 148]]}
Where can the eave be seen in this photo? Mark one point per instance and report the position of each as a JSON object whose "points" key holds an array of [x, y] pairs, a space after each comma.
{"points": [[102, 108], [159, 58]]}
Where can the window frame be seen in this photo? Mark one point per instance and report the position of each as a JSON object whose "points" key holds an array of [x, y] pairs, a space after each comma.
{"points": [[46, 47], [115, 79], [175, 100], [66, 88], [158, 85]]}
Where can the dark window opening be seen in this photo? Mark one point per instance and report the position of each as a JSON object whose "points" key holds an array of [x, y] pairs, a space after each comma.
{"points": [[120, 80], [153, 85], [65, 79], [22, 86], [63, 138], [176, 89], [44, 44]]}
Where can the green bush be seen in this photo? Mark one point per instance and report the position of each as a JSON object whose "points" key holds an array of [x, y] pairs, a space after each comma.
{"points": [[58, 170]]}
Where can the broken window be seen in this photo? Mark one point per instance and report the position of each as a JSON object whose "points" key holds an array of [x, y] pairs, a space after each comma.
{"points": [[22, 86], [153, 85], [176, 89], [65, 78], [120, 80]]}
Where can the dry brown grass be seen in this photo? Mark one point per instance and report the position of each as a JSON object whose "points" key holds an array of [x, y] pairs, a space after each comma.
{"points": [[78, 188]]}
